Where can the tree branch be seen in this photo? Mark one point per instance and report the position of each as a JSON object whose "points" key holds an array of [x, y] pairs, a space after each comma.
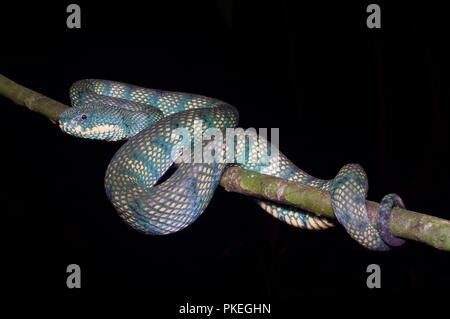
{"points": [[32, 100], [404, 223]]}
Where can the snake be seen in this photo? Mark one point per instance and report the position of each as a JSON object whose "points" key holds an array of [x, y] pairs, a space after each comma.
{"points": [[147, 120]]}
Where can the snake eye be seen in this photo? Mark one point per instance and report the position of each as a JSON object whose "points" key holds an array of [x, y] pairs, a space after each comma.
{"points": [[83, 117]]}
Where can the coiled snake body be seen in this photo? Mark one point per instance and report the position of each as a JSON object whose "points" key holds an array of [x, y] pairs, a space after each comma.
{"points": [[113, 111]]}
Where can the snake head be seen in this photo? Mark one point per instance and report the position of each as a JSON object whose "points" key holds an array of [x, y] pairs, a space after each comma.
{"points": [[98, 122], [103, 122]]}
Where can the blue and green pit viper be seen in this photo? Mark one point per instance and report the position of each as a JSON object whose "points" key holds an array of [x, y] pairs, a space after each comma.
{"points": [[146, 118]]}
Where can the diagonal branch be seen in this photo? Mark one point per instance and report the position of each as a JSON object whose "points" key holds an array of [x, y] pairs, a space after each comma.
{"points": [[32, 100], [404, 223]]}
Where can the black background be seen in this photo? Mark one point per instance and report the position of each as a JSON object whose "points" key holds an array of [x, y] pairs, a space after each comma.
{"points": [[338, 91]]}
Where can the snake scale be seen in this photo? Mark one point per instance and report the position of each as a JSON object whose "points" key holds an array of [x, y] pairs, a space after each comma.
{"points": [[146, 118]]}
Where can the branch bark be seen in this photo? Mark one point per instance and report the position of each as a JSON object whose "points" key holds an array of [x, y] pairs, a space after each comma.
{"points": [[32, 100], [404, 223]]}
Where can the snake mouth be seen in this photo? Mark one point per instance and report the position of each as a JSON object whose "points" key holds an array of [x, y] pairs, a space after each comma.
{"points": [[111, 132]]}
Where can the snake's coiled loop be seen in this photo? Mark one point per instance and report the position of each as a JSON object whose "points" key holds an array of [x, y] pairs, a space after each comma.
{"points": [[112, 111], [348, 197], [384, 214]]}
